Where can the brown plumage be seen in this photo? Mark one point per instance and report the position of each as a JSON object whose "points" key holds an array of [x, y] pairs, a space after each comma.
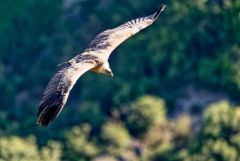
{"points": [[94, 58]]}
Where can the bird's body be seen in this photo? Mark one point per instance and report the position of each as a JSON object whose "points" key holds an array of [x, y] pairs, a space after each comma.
{"points": [[94, 58]]}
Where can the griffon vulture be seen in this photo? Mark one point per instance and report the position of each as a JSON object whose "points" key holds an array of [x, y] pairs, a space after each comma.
{"points": [[94, 58]]}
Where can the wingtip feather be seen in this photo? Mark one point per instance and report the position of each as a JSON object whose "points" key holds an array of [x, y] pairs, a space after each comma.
{"points": [[49, 110], [160, 10]]}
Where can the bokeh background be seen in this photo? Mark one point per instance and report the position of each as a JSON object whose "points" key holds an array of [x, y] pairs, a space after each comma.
{"points": [[174, 97]]}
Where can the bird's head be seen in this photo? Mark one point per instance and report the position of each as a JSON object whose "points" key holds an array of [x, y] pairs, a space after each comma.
{"points": [[108, 72]]}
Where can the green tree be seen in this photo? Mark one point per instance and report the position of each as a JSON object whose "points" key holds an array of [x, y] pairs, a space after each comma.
{"points": [[219, 138], [78, 144], [17, 149], [144, 113], [116, 134]]}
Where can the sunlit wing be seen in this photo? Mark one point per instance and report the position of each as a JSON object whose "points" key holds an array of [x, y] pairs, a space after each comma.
{"points": [[108, 40], [58, 89]]}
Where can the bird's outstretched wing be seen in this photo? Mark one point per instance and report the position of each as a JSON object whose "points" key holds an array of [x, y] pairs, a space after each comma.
{"points": [[107, 41], [58, 89]]}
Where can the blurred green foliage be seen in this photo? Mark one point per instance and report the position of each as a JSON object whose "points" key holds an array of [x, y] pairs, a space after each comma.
{"points": [[194, 43], [112, 130], [78, 144], [219, 137], [145, 112], [18, 149]]}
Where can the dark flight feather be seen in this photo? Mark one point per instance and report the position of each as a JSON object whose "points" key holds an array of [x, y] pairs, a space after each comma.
{"points": [[93, 58], [58, 89]]}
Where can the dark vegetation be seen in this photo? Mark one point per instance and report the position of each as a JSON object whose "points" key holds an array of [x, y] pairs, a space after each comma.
{"points": [[192, 51]]}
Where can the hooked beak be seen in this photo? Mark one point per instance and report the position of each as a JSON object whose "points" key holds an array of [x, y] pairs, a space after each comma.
{"points": [[111, 74]]}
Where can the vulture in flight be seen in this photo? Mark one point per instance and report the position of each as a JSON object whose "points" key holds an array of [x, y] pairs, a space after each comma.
{"points": [[94, 58]]}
